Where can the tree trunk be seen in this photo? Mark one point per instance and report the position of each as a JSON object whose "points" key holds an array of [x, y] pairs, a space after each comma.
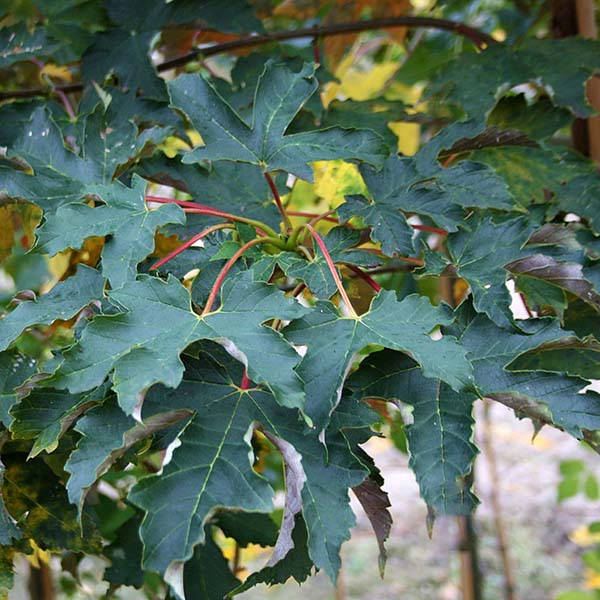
{"points": [[586, 25], [41, 586]]}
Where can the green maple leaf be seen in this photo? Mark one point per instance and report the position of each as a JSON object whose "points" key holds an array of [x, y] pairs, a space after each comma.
{"points": [[567, 276], [247, 528], [570, 355], [44, 415], [420, 185], [235, 188], [8, 529], [212, 467], [19, 43], [539, 120], [207, 574], [59, 175], [36, 498], [480, 256], [143, 343], [372, 114], [491, 363], [533, 173], [333, 342], [136, 26], [15, 370], [296, 563], [64, 301], [106, 433], [124, 215], [474, 81], [440, 437], [340, 243], [280, 93]]}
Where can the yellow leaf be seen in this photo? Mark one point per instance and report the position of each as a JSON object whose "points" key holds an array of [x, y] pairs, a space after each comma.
{"points": [[592, 579], [408, 135], [359, 80], [334, 179], [39, 556], [18, 223], [57, 72], [173, 144], [583, 537], [195, 137]]}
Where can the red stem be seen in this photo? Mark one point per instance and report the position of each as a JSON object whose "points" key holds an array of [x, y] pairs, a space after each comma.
{"points": [[316, 51], [322, 217], [202, 209], [223, 273], [65, 103], [187, 244], [431, 229], [246, 383], [182, 203], [333, 270], [286, 219], [366, 278], [309, 215]]}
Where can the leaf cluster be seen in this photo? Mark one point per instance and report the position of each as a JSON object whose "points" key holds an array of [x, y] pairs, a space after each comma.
{"points": [[194, 325]]}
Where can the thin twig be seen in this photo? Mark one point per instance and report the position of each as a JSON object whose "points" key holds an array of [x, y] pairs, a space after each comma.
{"points": [[509, 579], [479, 38]]}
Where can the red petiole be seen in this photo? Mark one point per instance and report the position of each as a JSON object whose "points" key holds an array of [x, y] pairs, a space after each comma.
{"points": [[189, 243], [202, 209], [286, 220], [338, 282], [246, 383], [226, 268], [366, 278], [431, 229], [308, 215]]}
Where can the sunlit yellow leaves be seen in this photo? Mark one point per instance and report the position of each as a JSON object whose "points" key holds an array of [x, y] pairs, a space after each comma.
{"points": [[63, 264], [408, 133], [17, 220], [38, 556], [173, 144], [582, 536], [57, 72], [359, 80], [335, 179]]}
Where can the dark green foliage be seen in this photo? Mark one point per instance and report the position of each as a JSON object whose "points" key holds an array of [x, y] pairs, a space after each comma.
{"points": [[194, 352]]}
